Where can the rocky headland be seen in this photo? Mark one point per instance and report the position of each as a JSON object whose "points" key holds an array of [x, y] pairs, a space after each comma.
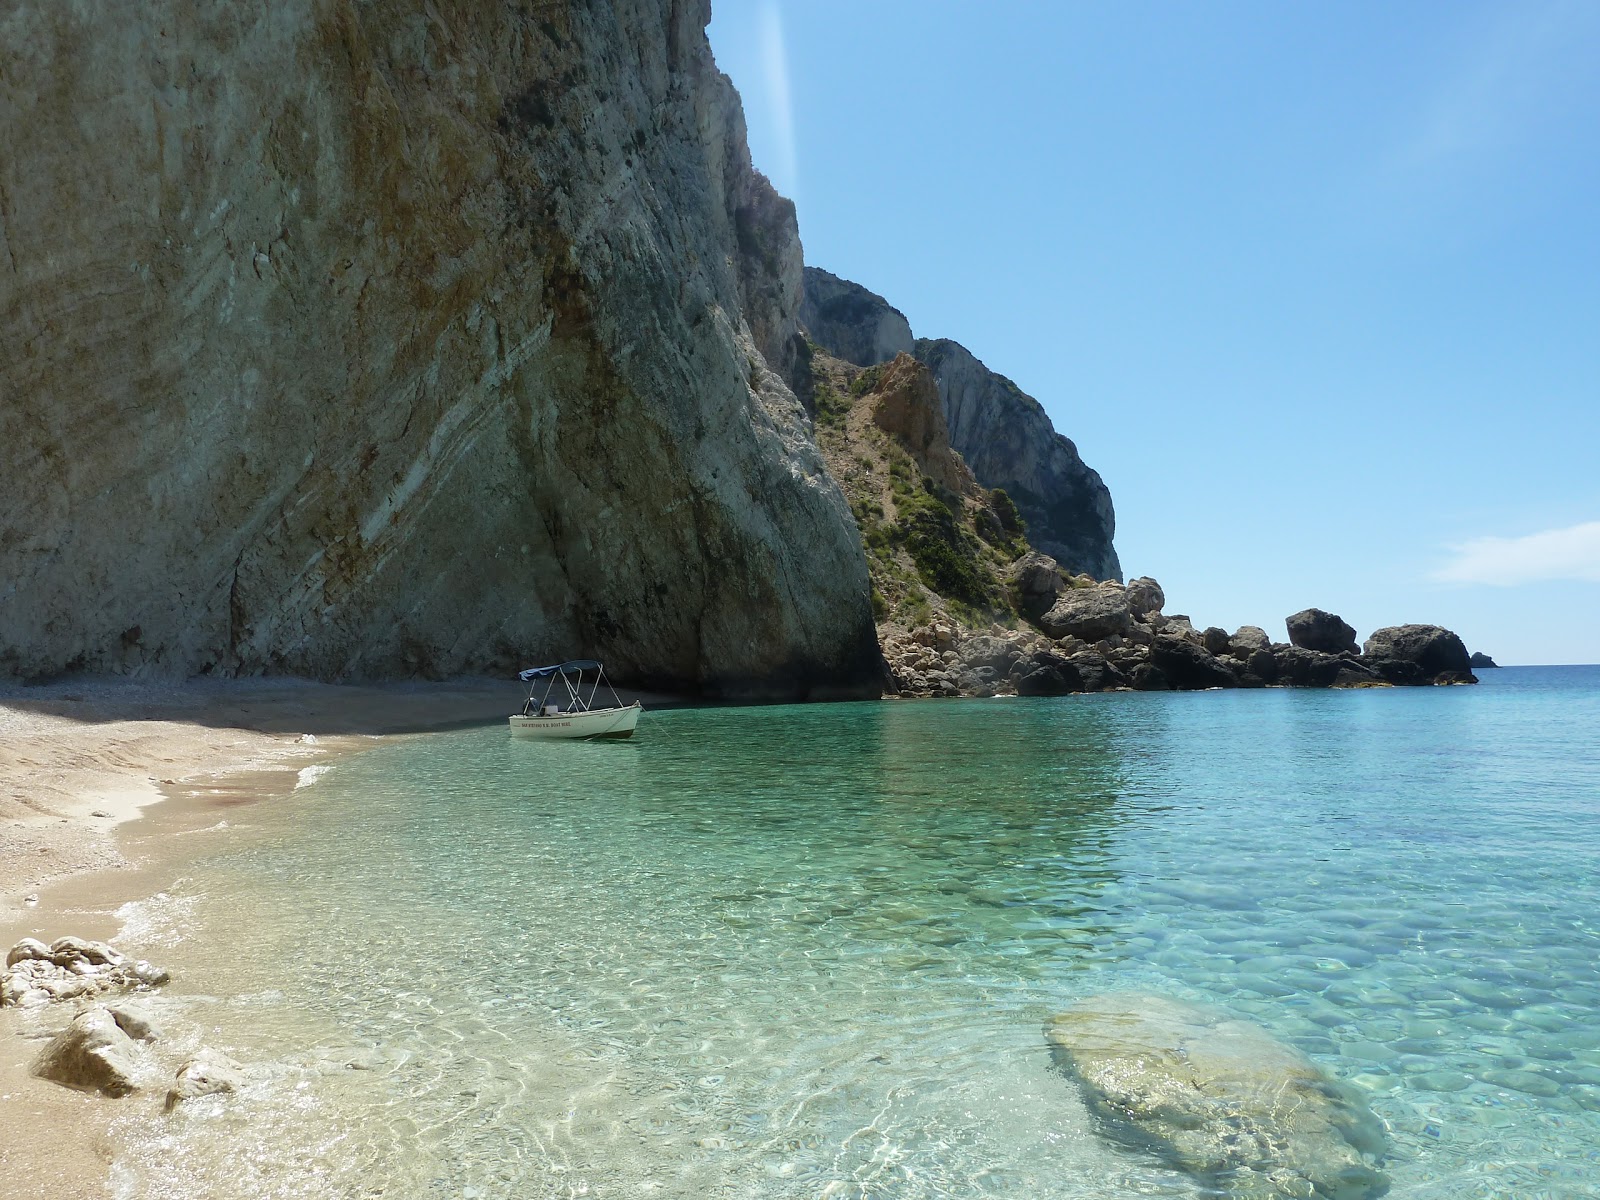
{"points": [[968, 604]]}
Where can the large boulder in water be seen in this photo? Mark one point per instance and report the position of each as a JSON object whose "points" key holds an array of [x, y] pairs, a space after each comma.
{"points": [[1047, 674], [1314, 629], [1432, 648], [1219, 1098], [1188, 666], [1296, 666]]}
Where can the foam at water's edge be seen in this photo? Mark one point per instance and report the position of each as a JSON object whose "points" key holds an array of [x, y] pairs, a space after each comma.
{"points": [[310, 775]]}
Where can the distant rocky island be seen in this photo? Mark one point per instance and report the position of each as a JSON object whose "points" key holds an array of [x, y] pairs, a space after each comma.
{"points": [[327, 365]]}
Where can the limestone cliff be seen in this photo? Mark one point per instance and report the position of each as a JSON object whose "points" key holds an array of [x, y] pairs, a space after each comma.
{"points": [[394, 337], [851, 323], [1007, 439], [1004, 434]]}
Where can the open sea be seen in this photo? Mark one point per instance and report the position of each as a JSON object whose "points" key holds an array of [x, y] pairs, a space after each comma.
{"points": [[808, 951]]}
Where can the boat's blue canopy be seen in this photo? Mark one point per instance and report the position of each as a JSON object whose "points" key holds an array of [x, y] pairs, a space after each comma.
{"points": [[577, 664]]}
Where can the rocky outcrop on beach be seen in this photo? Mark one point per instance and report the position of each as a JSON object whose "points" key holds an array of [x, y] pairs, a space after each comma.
{"points": [[1314, 629], [1419, 654], [71, 968], [1220, 1099], [1085, 635], [94, 1054], [1002, 434], [391, 339]]}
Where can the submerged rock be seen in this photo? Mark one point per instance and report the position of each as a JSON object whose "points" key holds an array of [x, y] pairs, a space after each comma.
{"points": [[92, 1054], [1220, 1099], [206, 1074]]}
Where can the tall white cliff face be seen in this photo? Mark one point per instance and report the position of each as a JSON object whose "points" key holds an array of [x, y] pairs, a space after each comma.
{"points": [[373, 339]]}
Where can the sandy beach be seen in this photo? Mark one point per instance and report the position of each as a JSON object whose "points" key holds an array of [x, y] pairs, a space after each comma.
{"points": [[80, 762]]}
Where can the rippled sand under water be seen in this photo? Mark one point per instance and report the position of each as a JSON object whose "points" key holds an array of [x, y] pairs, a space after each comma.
{"points": [[808, 951]]}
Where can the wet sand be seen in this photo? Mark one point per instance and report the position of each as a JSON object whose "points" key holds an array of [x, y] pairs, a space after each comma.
{"points": [[80, 762]]}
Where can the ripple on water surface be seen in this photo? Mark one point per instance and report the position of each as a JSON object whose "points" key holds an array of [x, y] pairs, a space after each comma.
{"points": [[786, 952]]}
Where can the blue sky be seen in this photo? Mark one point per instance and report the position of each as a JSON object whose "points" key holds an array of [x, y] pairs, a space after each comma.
{"points": [[1316, 288]]}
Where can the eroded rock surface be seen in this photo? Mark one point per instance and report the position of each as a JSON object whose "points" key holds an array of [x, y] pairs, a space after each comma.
{"points": [[69, 969], [1432, 649], [905, 404], [471, 322], [1219, 1098], [1003, 434], [1009, 442], [92, 1054], [1089, 613], [206, 1074]]}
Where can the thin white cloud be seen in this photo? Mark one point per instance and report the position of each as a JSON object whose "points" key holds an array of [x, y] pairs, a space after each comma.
{"points": [[780, 100], [1572, 553]]}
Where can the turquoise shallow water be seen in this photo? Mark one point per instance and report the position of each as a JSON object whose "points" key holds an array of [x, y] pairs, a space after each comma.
{"points": [[807, 951]]}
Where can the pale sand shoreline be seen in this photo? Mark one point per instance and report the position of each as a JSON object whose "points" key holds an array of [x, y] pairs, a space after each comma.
{"points": [[80, 759]]}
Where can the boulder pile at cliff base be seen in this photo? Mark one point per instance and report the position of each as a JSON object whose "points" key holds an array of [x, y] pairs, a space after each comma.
{"points": [[1093, 636]]}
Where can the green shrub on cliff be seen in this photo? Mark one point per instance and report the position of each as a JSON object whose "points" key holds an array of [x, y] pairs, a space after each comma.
{"points": [[832, 408], [948, 558], [1005, 508]]}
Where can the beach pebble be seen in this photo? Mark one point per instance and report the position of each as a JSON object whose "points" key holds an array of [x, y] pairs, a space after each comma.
{"points": [[1440, 1081], [99, 812], [206, 1074]]}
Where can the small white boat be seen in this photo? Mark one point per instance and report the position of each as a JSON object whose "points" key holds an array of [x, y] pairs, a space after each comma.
{"points": [[572, 715]]}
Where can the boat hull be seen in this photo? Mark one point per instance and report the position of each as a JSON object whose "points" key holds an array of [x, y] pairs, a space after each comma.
{"points": [[598, 723]]}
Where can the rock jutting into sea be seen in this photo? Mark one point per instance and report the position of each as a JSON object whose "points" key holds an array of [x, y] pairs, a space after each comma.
{"points": [[1480, 659], [1220, 1099], [393, 340], [1090, 636]]}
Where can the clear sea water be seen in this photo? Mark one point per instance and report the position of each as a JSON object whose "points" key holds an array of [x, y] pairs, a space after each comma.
{"points": [[808, 951]]}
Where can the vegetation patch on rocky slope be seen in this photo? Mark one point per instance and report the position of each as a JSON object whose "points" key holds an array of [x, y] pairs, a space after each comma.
{"points": [[939, 546]]}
